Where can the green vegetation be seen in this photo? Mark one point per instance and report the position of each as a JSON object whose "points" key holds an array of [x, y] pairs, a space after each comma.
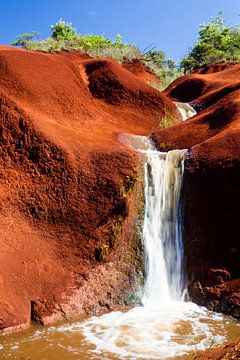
{"points": [[167, 121], [102, 252], [65, 37], [63, 30], [115, 228], [165, 69], [216, 43], [105, 248], [24, 39], [166, 146]]}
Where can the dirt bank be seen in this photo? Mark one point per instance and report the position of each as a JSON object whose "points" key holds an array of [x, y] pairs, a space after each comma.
{"points": [[69, 188]]}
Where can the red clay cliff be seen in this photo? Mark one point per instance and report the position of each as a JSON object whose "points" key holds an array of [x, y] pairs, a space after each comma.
{"points": [[69, 188], [71, 191]]}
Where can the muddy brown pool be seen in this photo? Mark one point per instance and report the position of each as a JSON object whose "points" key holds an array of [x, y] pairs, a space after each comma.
{"points": [[177, 331]]}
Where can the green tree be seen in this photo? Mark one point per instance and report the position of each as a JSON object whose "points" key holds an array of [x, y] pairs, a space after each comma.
{"points": [[22, 40], [216, 43], [158, 57], [63, 30], [171, 65]]}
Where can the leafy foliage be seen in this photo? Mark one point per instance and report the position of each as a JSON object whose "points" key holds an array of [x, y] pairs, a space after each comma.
{"points": [[63, 30], [24, 39], [65, 37], [165, 69], [216, 43]]}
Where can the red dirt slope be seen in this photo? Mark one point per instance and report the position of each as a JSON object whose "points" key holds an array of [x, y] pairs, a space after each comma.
{"points": [[229, 352], [211, 185], [212, 68], [214, 132], [141, 71], [109, 81], [68, 187]]}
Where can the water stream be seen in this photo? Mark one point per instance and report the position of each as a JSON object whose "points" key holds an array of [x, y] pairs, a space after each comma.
{"points": [[186, 110], [166, 326], [162, 232]]}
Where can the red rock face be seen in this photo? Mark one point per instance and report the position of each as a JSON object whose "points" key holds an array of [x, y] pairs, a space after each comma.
{"points": [[211, 186], [229, 352], [211, 196], [69, 189], [141, 71]]}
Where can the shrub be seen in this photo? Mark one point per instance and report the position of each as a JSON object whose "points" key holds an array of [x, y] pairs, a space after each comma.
{"points": [[65, 37], [24, 39], [165, 69], [118, 54], [63, 30], [216, 43]]}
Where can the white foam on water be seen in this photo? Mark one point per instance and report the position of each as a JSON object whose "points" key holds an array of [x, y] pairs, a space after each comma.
{"points": [[186, 110], [152, 333], [165, 326]]}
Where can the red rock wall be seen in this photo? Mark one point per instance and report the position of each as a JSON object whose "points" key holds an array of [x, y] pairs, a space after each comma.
{"points": [[69, 188], [211, 233]]}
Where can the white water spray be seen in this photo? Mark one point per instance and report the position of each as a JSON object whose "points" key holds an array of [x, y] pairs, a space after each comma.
{"points": [[186, 110], [162, 231], [165, 326]]}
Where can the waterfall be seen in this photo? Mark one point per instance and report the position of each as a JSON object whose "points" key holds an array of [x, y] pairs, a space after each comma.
{"points": [[165, 327], [162, 227], [186, 110]]}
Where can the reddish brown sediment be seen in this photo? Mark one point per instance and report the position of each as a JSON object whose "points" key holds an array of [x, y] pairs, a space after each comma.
{"points": [[141, 71], [205, 89], [69, 188], [213, 68], [228, 352]]}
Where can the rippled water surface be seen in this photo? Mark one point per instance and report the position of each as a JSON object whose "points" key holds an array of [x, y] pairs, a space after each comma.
{"points": [[176, 331]]}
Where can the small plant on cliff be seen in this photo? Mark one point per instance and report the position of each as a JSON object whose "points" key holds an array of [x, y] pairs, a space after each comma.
{"points": [[105, 249], [167, 121], [102, 252], [216, 43], [127, 186]]}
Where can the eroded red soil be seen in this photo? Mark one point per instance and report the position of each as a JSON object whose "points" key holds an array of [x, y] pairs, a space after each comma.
{"points": [[69, 188], [141, 71], [229, 352]]}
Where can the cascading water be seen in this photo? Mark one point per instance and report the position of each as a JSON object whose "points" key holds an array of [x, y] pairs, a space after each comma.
{"points": [[186, 110], [162, 227], [165, 327]]}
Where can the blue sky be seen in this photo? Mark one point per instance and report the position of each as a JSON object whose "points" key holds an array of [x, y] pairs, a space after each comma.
{"points": [[171, 25]]}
